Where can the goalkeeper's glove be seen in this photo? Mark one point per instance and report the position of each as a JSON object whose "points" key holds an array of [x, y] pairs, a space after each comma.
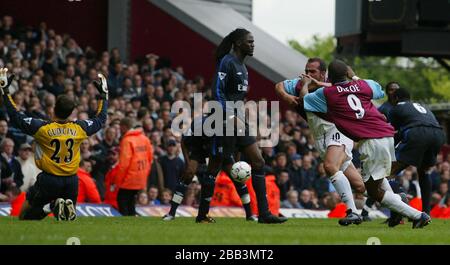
{"points": [[5, 82], [102, 86]]}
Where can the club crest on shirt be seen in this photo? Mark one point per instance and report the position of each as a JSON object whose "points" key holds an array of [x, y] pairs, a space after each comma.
{"points": [[28, 120], [222, 75], [89, 122]]}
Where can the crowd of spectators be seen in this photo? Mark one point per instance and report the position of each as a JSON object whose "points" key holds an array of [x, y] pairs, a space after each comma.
{"points": [[47, 64]]}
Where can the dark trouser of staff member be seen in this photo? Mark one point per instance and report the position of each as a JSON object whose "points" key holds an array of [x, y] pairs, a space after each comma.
{"points": [[126, 200]]}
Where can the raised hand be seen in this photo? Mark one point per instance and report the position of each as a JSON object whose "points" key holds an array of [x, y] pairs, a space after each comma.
{"points": [[350, 73], [102, 86], [5, 82]]}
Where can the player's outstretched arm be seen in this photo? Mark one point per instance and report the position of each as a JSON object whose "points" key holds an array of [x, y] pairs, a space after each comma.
{"points": [[306, 83], [315, 101], [102, 86], [281, 91], [5, 82], [314, 83], [92, 126], [377, 90], [351, 74], [223, 74], [26, 124]]}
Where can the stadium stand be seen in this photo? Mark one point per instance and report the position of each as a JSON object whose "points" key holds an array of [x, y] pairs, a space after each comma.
{"points": [[49, 63]]}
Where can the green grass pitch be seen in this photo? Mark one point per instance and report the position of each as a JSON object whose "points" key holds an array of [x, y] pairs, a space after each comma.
{"points": [[227, 231]]}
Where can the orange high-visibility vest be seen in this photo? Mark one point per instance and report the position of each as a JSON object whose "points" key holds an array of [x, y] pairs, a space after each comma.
{"points": [[416, 203], [87, 190], [135, 160], [273, 195], [16, 204], [225, 193], [340, 211], [111, 188], [440, 211]]}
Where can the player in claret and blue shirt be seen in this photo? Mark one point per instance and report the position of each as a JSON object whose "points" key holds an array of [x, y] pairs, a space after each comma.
{"points": [[349, 106], [334, 147]]}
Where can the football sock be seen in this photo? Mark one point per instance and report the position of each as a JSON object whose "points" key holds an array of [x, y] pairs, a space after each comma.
{"points": [[206, 194], [242, 190], [394, 202], [46, 208], [247, 209], [386, 186], [369, 203], [259, 184], [365, 210], [177, 198], [342, 186], [425, 190]]}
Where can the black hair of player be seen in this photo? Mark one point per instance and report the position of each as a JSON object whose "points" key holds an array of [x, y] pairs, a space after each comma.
{"points": [[337, 71], [402, 94], [390, 84], [227, 42], [64, 107], [322, 63]]}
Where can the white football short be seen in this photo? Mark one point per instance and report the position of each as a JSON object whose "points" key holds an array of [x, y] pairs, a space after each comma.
{"points": [[376, 157], [335, 137], [326, 134]]}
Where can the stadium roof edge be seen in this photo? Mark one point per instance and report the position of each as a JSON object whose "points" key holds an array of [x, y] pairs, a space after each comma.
{"points": [[272, 59]]}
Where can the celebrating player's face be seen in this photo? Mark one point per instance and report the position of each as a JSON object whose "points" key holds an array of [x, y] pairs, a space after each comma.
{"points": [[313, 70]]}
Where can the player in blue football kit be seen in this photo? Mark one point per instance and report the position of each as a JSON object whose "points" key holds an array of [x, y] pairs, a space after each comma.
{"points": [[231, 85], [195, 151], [420, 139]]}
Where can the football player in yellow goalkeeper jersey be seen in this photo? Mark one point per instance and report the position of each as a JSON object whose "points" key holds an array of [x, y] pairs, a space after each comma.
{"points": [[57, 151]]}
